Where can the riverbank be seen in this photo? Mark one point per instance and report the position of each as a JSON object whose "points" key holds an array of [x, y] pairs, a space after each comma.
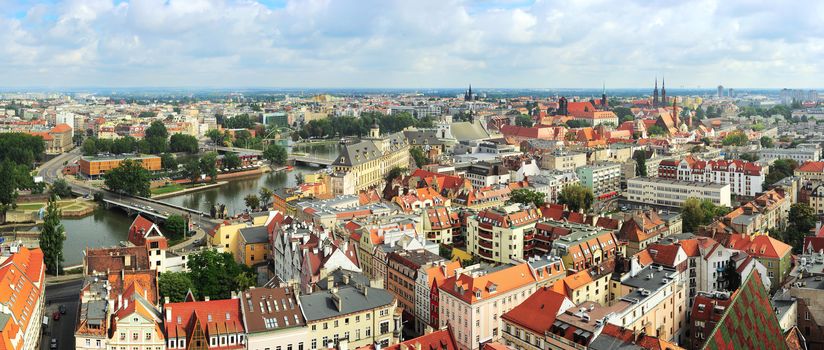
{"points": [[29, 212], [184, 190]]}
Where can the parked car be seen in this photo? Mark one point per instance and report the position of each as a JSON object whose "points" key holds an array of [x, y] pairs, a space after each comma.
{"points": [[53, 344], [56, 315]]}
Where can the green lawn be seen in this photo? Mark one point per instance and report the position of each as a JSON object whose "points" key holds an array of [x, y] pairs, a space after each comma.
{"points": [[173, 187]]}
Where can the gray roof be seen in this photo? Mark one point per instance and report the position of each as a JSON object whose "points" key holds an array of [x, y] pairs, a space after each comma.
{"points": [[605, 341], [256, 234], [321, 305], [466, 131], [96, 312], [338, 276], [358, 153], [423, 137]]}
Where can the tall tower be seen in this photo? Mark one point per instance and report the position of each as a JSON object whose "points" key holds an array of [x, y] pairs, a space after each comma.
{"points": [[375, 130], [468, 96], [655, 94], [604, 96], [664, 91]]}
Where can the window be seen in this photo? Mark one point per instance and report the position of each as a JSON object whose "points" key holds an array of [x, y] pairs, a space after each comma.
{"points": [[300, 346], [135, 336], [314, 344], [384, 327], [148, 336], [123, 336], [88, 342], [368, 332]]}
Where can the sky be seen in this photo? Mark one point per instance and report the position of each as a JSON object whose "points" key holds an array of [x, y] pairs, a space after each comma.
{"points": [[410, 43]]}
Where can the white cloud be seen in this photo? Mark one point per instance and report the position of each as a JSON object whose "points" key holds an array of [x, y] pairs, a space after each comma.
{"points": [[382, 43]]}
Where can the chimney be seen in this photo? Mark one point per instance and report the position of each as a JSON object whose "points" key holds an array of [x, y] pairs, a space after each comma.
{"points": [[417, 346], [168, 313], [165, 300], [120, 301], [206, 298], [330, 282]]}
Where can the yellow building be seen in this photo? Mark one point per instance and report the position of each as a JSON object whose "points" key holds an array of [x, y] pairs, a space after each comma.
{"points": [[371, 159], [346, 313], [254, 247]]}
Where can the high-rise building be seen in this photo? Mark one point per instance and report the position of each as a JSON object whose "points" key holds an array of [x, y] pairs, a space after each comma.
{"points": [[720, 91]]}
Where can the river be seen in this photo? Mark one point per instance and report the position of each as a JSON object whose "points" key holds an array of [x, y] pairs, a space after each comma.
{"points": [[109, 227]]}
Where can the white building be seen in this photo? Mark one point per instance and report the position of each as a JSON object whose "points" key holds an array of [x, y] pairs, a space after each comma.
{"points": [[800, 154], [673, 193], [744, 178]]}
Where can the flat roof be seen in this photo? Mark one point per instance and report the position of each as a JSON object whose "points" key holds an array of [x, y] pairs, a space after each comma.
{"points": [[659, 180], [102, 157]]}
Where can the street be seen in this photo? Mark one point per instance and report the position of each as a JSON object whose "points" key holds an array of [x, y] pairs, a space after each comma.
{"points": [[68, 295]]}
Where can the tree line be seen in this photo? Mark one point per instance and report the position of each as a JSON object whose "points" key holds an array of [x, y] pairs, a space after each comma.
{"points": [[359, 126]]}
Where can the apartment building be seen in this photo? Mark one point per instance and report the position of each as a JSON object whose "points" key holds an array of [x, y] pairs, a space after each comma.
{"points": [[644, 227], [360, 314], [441, 224], [273, 319], [137, 322], [673, 193], [745, 178], [473, 301], [812, 171], [485, 174], [206, 324], [402, 274], [504, 234], [800, 155], [526, 325], [21, 295], [770, 210], [429, 279], [563, 160], [603, 178], [580, 246], [775, 255]]}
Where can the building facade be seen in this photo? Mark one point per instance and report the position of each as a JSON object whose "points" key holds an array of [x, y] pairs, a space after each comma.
{"points": [[673, 193]]}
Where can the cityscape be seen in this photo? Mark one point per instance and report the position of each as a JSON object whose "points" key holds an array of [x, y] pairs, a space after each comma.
{"points": [[444, 175]]}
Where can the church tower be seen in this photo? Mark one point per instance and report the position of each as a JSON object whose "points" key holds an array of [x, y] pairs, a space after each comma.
{"points": [[468, 95], [655, 94], [664, 92], [604, 96], [375, 130]]}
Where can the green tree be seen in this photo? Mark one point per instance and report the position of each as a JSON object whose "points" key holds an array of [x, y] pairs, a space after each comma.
{"points": [[252, 201], [231, 160], [192, 170], [168, 161], [129, 178], [780, 169], [156, 137], [183, 143], [735, 138], [640, 164], [523, 120], [624, 114], [576, 123], [89, 147], [61, 188], [216, 136], [175, 226], [126, 144], [445, 251], [419, 157], [394, 173], [265, 197], [175, 285], [8, 185], [22, 149], [750, 157], [527, 196], [692, 215], [52, 236], [802, 217], [208, 165], [656, 130], [215, 274], [275, 154], [156, 129], [767, 142], [576, 197]]}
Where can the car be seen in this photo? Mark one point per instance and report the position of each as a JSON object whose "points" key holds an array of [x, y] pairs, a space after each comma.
{"points": [[56, 315], [53, 343], [62, 309]]}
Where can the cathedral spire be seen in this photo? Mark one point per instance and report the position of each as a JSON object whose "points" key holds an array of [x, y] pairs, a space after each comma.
{"points": [[664, 91], [655, 93]]}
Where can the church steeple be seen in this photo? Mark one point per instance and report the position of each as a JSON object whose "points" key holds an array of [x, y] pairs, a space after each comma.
{"points": [[663, 91], [655, 94], [604, 96], [468, 95]]}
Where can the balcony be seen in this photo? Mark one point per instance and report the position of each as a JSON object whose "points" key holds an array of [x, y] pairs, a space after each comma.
{"points": [[485, 235], [485, 254], [528, 247], [485, 244]]}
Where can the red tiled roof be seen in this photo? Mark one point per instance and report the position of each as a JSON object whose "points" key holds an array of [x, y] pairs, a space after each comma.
{"points": [[437, 340], [812, 167], [538, 311]]}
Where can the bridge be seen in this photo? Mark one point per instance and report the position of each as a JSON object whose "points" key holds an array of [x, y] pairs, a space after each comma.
{"points": [[134, 208], [310, 160], [236, 149]]}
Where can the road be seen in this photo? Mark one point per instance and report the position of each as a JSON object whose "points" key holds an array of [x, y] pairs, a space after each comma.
{"points": [[52, 170], [68, 295]]}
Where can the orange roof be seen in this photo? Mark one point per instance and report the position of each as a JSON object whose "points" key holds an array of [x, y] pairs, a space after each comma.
{"points": [[61, 128], [437, 340], [538, 311], [21, 286], [759, 246], [465, 286], [813, 167]]}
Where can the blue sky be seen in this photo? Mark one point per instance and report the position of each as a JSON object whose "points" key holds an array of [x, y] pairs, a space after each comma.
{"points": [[420, 43]]}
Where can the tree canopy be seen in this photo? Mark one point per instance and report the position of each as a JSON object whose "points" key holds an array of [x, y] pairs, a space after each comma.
{"points": [[527, 196], [275, 154], [576, 197], [735, 138], [130, 177], [216, 275], [523, 120], [767, 142], [21, 148], [780, 169], [175, 285], [175, 226], [52, 236], [419, 157], [696, 212], [183, 143]]}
